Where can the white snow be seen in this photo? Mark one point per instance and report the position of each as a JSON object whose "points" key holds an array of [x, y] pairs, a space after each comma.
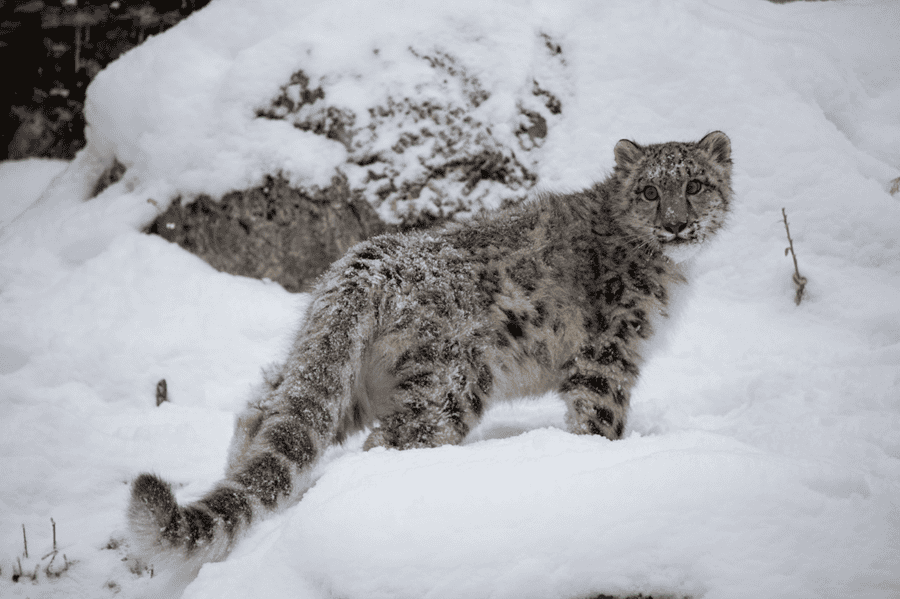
{"points": [[762, 457], [25, 180]]}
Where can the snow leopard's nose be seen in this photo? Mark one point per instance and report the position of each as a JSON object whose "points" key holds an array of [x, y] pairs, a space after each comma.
{"points": [[675, 227]]}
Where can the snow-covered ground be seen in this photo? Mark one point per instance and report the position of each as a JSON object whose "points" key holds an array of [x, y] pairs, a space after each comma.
{"points": [[762, 458]]}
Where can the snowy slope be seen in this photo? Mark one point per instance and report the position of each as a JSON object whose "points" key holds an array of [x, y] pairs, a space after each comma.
{"points": [[762, 457], [26, 180]]}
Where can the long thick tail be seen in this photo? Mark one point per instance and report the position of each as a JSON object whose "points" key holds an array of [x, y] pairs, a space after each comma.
{"points": [[273, 453], [166, 535], [277, 440], [275, 447]]}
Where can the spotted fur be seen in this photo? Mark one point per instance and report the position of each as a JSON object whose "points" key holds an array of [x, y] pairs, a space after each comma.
{"points": [[415, 335]]}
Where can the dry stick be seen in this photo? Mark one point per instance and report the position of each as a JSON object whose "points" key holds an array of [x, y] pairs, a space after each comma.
{"points": [[25, 540], [52, 555], [799, 281], [54, 552]]}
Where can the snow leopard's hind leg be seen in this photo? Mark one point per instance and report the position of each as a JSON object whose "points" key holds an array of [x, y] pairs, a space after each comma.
{"points": [[440, 396]]}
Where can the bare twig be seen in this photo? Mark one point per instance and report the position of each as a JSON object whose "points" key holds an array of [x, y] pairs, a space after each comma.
{"points": [[25, 541], [799, 280], [54, 552]]}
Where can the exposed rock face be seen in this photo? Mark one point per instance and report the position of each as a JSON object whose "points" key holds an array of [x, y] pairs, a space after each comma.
{"points": [[111, 175], [272, 231]]}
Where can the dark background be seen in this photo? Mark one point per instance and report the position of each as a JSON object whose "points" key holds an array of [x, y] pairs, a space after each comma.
{"points": [[49, 52]]}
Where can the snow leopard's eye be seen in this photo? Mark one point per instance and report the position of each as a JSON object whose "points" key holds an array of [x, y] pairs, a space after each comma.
{"points": [[693, 186], [650, 193]]}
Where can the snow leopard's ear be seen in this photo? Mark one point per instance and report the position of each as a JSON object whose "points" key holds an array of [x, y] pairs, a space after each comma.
{"points": [[627, 153], [718, 146]]}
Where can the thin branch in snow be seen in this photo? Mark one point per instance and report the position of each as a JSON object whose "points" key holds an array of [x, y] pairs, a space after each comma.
{"points": [[799, 280]]}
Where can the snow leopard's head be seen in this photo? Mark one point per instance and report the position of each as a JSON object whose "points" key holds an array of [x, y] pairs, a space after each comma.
{"points": [[677, 195]]}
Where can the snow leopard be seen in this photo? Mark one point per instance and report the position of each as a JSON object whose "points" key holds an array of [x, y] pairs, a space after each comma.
{"points": [[413, 336]]}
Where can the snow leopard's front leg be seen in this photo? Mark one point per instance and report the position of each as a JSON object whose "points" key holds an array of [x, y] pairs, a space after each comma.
{"points": [[597, 391]]}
